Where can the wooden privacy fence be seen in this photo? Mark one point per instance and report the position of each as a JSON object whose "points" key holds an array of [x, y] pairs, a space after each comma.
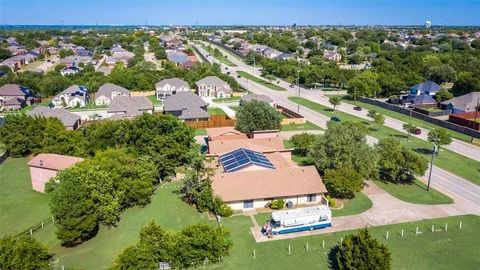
{"points": [[215, 121], [291, 117]]}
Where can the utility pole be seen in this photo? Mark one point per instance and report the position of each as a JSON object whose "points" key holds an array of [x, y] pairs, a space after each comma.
{"points": [[477, 108], [298, 81], [431, 165]]}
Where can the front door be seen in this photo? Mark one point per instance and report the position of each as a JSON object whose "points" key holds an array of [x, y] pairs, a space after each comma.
{"points": [[248, 204]]}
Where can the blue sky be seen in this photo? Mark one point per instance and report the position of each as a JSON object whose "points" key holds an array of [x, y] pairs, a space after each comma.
{"points": [[246, 12]]}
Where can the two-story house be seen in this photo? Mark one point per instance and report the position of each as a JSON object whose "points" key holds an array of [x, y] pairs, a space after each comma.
{"points": [[109, 91], [168, 87], [73, 96], [14, 97], [212, 86]]}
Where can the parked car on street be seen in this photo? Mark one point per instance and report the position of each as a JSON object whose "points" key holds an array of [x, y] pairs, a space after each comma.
{"points": [[336, 119], [292, 86], [357, 108], [418, 131]]}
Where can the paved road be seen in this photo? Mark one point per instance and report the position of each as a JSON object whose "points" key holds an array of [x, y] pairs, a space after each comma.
{"points": [[460, 147], [462, 191]]}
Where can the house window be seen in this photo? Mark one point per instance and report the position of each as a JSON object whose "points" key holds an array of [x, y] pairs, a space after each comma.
{"points": [[311, 197], [248, 204]]}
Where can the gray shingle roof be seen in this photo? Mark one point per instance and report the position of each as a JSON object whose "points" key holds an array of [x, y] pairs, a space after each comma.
{"points": [[189, 103], [131, 106], [174, 82], [211, 80], [465, 102], [13, 90], [67, 118], [107, 89]]}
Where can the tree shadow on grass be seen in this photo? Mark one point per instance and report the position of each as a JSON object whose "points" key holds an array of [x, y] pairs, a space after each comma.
{"points": [[423, 151], [332, 258], [400, 136]]}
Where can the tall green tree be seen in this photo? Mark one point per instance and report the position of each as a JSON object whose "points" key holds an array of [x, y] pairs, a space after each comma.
{"points": [[398, 164], [440, 137], [257, 115], [364, 84], [194, 245], [465, 83], [302, 143], [362, 251], [443, 95], [23, 252], [344, 144], [343, 182], [334, 101]]}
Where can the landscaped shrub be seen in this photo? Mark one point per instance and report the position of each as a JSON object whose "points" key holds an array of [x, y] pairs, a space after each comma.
{"points": [[225, 210], [331, 201], [276, 204]]}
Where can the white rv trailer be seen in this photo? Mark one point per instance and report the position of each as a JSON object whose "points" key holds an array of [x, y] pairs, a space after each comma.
{"points": [[301, 219]]}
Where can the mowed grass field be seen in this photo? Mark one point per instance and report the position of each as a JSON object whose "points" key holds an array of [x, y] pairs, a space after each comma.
{"points": [[20, 206], [216, 111], [298, 127], [99, 253], [358, 204], [452, 249], [415, 192], [221, 57], [260, 81], [448, 160]]}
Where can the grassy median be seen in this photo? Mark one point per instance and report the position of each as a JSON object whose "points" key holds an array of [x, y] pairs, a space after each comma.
{"points": [[263, 82]]}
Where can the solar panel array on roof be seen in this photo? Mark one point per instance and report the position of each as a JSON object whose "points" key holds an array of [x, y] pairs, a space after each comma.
{"points": [[242, 157]]}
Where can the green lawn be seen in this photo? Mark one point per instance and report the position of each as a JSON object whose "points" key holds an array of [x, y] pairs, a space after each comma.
{"points": [[296, 127], [20, 206], [200, 131], [227, 52], [98, 253], [221, 57], [448, 160], [452, 249], [154, 100], [415, 193], [260, 81], [216, 111], [235, 108], [226, 100], [360, 203], [406, 118]]}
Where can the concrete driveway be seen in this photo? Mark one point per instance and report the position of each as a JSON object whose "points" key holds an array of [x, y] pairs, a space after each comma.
{"points": [[386, 209]]}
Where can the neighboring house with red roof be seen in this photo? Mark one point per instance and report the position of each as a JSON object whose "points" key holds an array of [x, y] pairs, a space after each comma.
{"points": [[45, 166]]}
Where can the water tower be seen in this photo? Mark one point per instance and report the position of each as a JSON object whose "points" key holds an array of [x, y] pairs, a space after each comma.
{"points": [[428, 24]]}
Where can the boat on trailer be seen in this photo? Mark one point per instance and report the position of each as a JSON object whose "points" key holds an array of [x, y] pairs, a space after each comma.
{"points": [[301, 219]]}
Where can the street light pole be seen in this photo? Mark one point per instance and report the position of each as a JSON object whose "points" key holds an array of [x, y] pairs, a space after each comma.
{"points": [[431, 166], [298, 79]]}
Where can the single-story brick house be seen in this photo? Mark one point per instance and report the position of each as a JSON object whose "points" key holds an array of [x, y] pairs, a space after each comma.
{"points": [[45, 166]]}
